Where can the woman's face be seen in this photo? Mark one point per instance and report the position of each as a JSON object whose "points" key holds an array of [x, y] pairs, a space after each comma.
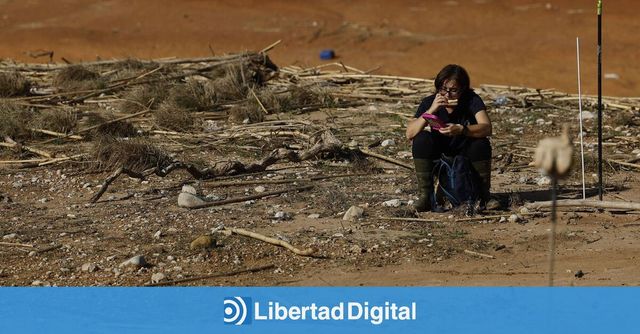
{"points": [[450, 89]]}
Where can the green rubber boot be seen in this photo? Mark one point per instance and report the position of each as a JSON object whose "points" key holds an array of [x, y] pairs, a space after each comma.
{"points": [[424, 173], [483, 168]]}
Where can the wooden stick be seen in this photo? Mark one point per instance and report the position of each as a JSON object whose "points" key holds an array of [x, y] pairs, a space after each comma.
{"points": [[61, 159], [259, 102], [271, 46], [587, 203], [387, 159], [627, 164], [251, 197], [277, 242], [479, 254], [411, 219], [56, 134], [28, 148], [16, 244], [203, 277], [252, 182]]}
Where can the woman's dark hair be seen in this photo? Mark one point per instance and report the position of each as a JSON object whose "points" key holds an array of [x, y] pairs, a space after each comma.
{"points": [[453, 72]]}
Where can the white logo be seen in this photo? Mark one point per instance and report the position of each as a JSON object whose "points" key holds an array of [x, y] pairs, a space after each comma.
{"points": [[235, 310]]}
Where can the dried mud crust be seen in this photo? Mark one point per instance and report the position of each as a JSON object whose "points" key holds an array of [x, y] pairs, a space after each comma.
{"points": [[48, 208]]}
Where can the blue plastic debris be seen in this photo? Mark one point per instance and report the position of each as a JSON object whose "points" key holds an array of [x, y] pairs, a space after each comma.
{"points": [[327, 54]]}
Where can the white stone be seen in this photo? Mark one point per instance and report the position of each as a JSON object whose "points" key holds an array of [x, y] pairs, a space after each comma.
{"points": [[89, 267], [158, 277], [157, 235], [388, 142], [136, 261], [188, 200], [543, 181], [514, 218], [353, 213], [503, 220], [314, 216], [524, 210], [9, 236], [259, 189], [540, 121], [587, 115], [394, 203], [187, 188]]}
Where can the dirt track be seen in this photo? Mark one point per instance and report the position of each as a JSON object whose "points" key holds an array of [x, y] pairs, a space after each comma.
{"points": [[520, 42]]}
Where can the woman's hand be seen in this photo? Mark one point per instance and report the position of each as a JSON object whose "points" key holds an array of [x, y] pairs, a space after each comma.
{"points": [[452, 130], [438, 102]]}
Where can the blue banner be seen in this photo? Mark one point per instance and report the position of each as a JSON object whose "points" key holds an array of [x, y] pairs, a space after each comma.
{"points": [[308, 310]]}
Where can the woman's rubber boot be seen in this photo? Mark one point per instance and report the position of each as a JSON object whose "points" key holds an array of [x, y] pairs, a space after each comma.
{"points": [[424, 173], [483, 168]]}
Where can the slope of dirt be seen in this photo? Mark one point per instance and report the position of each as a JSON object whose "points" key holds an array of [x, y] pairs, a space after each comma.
{"points": [[522, 42]]}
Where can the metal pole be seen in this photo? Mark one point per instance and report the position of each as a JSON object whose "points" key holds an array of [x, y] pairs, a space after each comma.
{"points": [[600, 189]]}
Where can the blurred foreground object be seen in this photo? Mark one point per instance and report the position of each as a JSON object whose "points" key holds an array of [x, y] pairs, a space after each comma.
{"points": [[554, 155]]}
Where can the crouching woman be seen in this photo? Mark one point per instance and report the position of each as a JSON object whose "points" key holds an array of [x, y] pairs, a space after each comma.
{"points": [[461, 127]]}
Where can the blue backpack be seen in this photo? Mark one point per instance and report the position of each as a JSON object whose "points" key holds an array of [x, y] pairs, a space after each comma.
{"points": [[457, 182]]}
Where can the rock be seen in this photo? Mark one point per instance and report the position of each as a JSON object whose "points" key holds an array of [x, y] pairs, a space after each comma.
{"points": [[136, 261], [188, 200], [314, 216], [189, 189], [37, 283], [353, 213], [356, 249], [259, 189], [539, 121], [158, 277], [17, 184], [394, 203], [203, 242], [158, 234], [543, 181], [502, 220], [281, 215], [388, 142], [587, 115], [524, 210], [9, 236], [579, 274], [514, 218], [90, 267]]}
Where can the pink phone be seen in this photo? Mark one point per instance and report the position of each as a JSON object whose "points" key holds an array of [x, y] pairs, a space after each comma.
{"points": [[434, 122]]}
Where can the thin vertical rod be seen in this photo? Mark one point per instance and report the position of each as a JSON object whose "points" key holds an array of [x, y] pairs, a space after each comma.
{"points": [[584, 189], [552, 236], [600, 189]]}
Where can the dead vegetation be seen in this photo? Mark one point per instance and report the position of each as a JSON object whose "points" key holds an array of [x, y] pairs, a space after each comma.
{"points": [[78, 78], [136, 155], [13, 84], [14, 120], [246, 136]]}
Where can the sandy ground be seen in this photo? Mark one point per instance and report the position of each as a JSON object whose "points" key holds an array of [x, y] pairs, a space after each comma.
{"points": [[519, 42]]}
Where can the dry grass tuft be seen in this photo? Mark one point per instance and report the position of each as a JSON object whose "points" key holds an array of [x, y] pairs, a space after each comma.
{"points": [[116, 129], [245, 114], [78, 78], [142, 97], [62, 121], [193, 96], [13, 84], [135, 155], [172, 117], [14, 120]]}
